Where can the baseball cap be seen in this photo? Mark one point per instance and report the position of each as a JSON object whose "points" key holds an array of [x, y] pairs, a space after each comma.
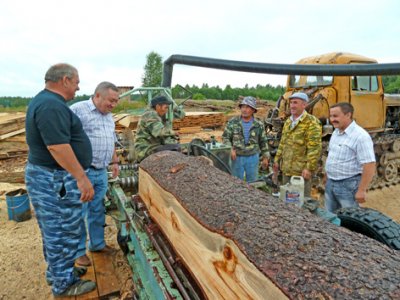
{"points": [[249, 101], [299, 95], [160, 100]]}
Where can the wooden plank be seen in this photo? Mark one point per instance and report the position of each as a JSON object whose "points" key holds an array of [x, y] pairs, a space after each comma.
{"points": [[90, 275], [129, 121], [7, 135], [204, 135], [6, 118], [240, 242], [187, 130], [107, 282], [13, 177]]}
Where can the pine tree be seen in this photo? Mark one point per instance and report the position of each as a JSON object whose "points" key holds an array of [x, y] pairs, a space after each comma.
{"points": [[152, 70]]}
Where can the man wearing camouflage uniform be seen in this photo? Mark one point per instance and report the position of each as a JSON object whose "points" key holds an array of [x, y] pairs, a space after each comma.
{"points": [[300, 146], [247, 137], [154, 133]]}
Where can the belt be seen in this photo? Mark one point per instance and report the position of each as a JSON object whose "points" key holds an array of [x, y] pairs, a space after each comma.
{"points": [[355, 176], [97, 169]]}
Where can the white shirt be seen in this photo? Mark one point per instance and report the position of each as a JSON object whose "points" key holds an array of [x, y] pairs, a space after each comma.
{"points": [[100, 128], [348, 152], [295, 121]]}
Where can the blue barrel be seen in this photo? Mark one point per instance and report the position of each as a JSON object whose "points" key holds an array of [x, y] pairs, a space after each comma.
{"points": [[18, 206]]}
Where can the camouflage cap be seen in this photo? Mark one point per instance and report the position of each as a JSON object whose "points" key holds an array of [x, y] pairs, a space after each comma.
{"points": [[299, 95], [160, 100], [249, 101]]}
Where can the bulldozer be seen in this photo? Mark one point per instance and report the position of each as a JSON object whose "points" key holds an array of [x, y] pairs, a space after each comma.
{"points": [[375, 111], [328, 79]]}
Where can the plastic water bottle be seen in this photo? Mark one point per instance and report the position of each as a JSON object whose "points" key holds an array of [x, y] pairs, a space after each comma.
{"points": [[293, 191]]}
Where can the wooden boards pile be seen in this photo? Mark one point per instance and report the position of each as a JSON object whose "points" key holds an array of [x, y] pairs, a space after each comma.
{"points": [[201, 134], [11, 124], [201, 119], [240, 243]]}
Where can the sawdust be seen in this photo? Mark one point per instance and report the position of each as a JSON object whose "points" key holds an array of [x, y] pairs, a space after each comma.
{"points": [[386, 200]]}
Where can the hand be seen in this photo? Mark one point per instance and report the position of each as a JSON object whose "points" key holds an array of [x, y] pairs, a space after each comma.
{"points": [[275, 168], [86, 189], [360, 196], [306, 174], [265, 163], [233, 154], [115, 170], [324, 179]]}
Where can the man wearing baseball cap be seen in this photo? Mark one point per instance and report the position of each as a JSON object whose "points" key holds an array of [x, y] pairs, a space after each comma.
{"points": [[154, 133], [247, 137], [300, 145]]}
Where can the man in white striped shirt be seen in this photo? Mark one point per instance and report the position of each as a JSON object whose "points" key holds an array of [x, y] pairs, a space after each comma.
{"points": [[350, 166], [97, 121]]}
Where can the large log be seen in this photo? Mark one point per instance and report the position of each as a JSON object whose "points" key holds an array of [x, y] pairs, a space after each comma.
{"points": [[240, 243]]}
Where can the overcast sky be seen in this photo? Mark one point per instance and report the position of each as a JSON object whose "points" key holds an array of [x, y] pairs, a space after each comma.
{"points": [[109, 40]]}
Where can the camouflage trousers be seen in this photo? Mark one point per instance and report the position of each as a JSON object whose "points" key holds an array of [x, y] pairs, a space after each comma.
{"points": [[55, 198]]}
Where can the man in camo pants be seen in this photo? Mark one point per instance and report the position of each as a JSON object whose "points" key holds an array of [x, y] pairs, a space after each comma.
{"points": [[59, 153]]}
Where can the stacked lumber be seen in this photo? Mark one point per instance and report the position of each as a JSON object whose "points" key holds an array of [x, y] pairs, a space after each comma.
{"points": [[240, 243], [189, 130], [201, 134], [206, 104], [201, 119], [191, 120], [11, 125], [123, 121]]}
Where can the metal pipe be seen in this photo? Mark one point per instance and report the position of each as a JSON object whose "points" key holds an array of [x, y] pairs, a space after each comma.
{"points": [[177, 268], [168, 266], [282, 69]]}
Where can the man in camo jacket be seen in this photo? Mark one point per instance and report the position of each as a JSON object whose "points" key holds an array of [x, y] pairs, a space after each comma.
{"points": [[154, 133], [247, 137], [300, 146]]}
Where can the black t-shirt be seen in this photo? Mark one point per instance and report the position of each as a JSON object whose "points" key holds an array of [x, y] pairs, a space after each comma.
{"points": [[49, 121]]}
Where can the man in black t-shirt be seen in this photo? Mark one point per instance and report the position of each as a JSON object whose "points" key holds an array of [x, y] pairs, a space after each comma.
{"points": [[59, 153]]}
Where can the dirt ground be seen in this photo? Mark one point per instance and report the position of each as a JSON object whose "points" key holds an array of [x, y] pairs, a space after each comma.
{"points": [[22, 265]]}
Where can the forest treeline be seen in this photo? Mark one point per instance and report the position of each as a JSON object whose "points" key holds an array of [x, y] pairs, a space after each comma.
{"points": [[267, 92]]}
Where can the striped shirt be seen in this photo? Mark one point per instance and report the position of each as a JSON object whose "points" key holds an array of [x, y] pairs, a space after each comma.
{"points": [[348, 151], [246, 129], [100, 128]]}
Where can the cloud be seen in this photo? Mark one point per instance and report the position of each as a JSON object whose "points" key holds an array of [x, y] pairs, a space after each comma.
{"points": [[110, 40]]}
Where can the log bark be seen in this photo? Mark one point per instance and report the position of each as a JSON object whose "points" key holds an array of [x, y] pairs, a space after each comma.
{"points": [[239, 242]]}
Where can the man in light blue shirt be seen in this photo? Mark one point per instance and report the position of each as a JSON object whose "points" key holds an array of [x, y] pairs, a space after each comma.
{"points": [[350, 165], [95, 115]]}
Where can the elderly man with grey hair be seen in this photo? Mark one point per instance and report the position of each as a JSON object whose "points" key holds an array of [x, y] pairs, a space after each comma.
{"points": [[55, 177], [300, 146], [247, 137]]}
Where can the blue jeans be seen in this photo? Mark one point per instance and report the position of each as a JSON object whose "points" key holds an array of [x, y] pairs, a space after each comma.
{"points": [[93, 213], [246, 165], [56, 199], [341, 193]]}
